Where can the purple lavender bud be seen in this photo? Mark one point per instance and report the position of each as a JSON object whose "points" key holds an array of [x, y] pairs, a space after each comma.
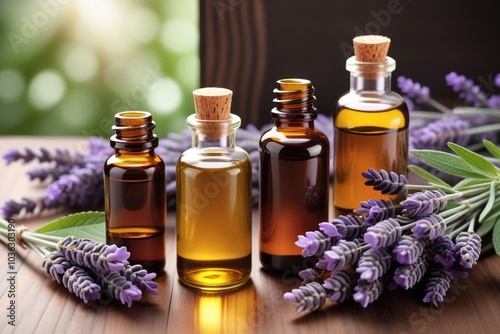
{"points": [[437, 286], [55, 265], [310, 297], [330, 230], [408, 249], [410, 274], [373, 264], [424, 203], [413, 90], [12, 155], [466, 89], [314, 243], [383, 234], [343, 254], [429, 228], [387, 183], [468, 248], [309, 275], [339, 286], [118, 287], [437, 134], [375, 211], [348, 227], [78, 282], [368, 292], [96, 256], [444, 250], [140, 278]]}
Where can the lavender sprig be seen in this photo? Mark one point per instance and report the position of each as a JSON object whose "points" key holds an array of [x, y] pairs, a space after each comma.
{"points": [[437, 286], [387, 183]]}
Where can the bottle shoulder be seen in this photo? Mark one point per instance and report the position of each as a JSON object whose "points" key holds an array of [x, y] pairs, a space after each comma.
{"points": [[214, 156], [124, 160]]}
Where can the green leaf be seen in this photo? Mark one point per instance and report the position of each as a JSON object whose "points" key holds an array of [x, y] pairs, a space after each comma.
{"points": [[466, 184], [81, 225], [496, 238], [428, 176], [486, 227], [448, 163], [474, 159], [491, 201], [493, 213], [492, 148]]}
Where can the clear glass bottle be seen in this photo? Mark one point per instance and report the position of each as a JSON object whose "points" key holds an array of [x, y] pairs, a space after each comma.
{"points": [[371, 131], [135, 194], [294, 176], [214, 207]]}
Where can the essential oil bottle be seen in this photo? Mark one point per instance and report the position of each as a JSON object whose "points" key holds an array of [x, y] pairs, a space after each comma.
{"points": [[135, 194], [294, 176], [370, 125], [214, 198]]}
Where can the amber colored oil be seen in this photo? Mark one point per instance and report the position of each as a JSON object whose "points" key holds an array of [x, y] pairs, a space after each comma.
{"points": [[293, 195], [214, 223], [136, 212], [375, 137]]}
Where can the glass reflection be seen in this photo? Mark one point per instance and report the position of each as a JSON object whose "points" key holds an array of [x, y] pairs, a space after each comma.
{"points": [[228, 312]]}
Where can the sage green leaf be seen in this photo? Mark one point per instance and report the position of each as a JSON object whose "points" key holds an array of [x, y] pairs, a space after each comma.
{"points": [[80, 225], [493, 213], [448, 163], [474, 159], [428, 176], [486, 227], [492, 148], [489, 204], [467, 184], [496, 238]]}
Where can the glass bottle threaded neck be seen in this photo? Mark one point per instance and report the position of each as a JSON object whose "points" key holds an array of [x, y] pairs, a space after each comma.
{"points": [[134, 131], [294, 100]]}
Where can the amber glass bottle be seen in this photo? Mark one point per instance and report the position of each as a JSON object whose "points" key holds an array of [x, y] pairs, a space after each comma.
{"points": [[135, 195], [371, 129], [294, 175], [214, 199]]}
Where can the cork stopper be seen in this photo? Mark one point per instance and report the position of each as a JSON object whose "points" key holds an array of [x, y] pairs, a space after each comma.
{"points": [[371, 48], [213, 104]]}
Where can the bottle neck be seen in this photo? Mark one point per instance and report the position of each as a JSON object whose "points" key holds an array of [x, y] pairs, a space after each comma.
{"points": [[370, 76], [371, 84], [294, 103], [214, 133], [134, 132]]}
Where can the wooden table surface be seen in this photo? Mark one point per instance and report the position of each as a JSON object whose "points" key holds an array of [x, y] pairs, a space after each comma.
{"points": [[43, 306]]}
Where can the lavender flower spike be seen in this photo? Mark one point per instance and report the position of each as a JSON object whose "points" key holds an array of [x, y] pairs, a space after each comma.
{"points": [[387, 183], [368, 292], [92, 255], [310, 297], [429, 228], [140, 278], [375, 211], [78, 282], [373, 264], [409, 275], [424, 203], [413, 90], [55, 265], [437, 286], [119, 288], [314, 243], [346, 227], [408, 249], [383, 234], [444, 251], [341, 255], [468, 248], [339, 286]]}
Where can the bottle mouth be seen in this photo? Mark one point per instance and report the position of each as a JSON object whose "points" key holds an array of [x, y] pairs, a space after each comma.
{"points": [[370, 69], [134, 129]]}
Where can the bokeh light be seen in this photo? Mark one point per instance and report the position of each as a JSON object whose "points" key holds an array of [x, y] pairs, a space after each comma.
{"points": [[68, 68]]}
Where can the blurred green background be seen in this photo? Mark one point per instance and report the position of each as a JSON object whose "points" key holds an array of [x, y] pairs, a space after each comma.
{"points": [[67, 66]]}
